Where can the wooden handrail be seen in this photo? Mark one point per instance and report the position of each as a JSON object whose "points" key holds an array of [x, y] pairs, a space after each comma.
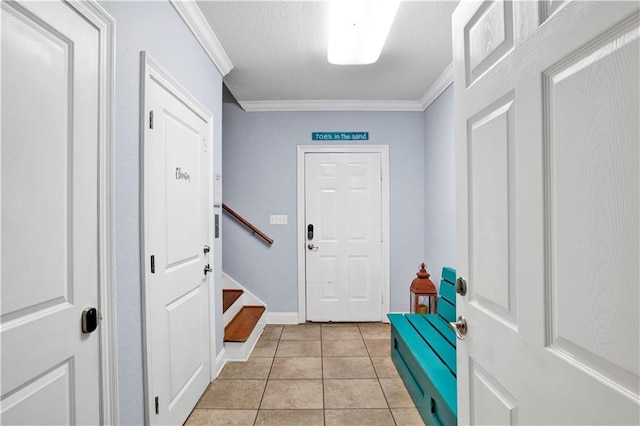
{"points": [[248, 224]]}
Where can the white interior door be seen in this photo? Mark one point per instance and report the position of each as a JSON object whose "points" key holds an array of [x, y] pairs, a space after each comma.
{"points": [[50, 110], [547, 141], [177, 176], [344, 255]]}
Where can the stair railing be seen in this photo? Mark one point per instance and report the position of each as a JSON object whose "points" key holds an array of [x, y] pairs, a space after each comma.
{"points": [[248, 224]]}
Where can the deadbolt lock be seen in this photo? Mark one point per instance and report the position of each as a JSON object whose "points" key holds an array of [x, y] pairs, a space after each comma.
{"points": [[461, 286], [90, 320]]}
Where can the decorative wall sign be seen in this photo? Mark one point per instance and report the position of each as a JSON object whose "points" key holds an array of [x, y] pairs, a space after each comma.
{"points": [[339, 136]]}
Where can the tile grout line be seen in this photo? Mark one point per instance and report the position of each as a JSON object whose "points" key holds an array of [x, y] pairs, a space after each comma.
{"points": [[266, 383]]}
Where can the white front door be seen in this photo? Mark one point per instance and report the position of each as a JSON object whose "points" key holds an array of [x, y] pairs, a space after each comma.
{"points": [[547, 141], [343, 207], [50, 140], [176, 225]]}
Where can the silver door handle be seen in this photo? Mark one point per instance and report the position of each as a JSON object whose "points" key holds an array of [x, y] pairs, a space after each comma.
{"points": [[207, 269], [312, 247], [460, 327]]}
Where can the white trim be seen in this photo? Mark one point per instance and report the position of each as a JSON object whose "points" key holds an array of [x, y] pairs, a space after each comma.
{"points": [[246, 299], [219, 363], [214, 297], [282, 318], [440, 85], [324, 105], [250, 299], [199, 26], [383, 150], [444, 80], [150, 69], [105, 25]]}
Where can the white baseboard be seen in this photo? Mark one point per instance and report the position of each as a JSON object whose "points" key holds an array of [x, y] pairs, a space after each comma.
{"points": [[282, 318], [221, 360]]}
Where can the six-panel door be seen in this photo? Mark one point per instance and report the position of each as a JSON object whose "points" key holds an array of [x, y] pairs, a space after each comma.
{"points": [[343, 258], [548, 192]]}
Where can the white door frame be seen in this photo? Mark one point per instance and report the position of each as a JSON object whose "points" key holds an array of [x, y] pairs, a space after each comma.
{"points": [[383, 150], [151, 69], [105, 24]]}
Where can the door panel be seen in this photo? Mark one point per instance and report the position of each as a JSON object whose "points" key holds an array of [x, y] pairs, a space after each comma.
{"points": [[176, 196], [343, 202], [50, 81], [491, 141], [183, 144], [548, 199], [590, 101]]}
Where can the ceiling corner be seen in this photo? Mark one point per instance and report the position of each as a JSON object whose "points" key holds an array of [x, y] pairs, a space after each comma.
{"points": [[444, 80], [325, 105], [198, 25]]}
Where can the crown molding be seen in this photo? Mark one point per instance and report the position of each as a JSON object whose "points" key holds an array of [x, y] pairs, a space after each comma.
{"points": [[324, 105], [443, 81], [197, 23]]}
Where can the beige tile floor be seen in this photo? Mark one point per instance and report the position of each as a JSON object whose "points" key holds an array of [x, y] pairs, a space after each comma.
{"points": [[311, 374]]}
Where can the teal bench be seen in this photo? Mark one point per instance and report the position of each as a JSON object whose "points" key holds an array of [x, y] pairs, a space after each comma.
{"points": [[423, 349]]}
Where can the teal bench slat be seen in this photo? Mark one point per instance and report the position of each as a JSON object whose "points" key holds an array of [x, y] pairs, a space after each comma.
{"points": [[447, 291], [429, 382], [443, 328], [449, 274], [446, 310], [445, 351]]}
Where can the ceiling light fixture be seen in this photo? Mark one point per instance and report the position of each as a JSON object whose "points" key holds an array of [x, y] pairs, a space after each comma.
{"points": [[358, 30]]}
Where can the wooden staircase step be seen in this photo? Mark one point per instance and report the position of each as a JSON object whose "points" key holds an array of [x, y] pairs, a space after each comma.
{"points": [[228, 297], [241, 326]]}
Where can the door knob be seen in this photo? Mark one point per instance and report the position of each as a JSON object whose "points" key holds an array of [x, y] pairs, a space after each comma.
{"points": [[460, 327], [312, 247], [207, 269], [206, 249]]}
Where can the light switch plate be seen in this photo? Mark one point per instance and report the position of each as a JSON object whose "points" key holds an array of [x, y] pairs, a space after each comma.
{"points": [[278, 219]]}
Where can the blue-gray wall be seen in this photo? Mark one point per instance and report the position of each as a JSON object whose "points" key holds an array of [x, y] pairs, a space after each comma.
{"points": [[439, 185], [157, 28], [259, 179]]}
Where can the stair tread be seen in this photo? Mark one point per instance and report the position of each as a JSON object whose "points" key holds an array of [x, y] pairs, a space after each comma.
{"points": [[241, 326], [228, 297]]}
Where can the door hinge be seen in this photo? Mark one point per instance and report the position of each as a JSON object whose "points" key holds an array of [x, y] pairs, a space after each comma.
{"points": [[153, 264], [151, 119], [157, 405]]}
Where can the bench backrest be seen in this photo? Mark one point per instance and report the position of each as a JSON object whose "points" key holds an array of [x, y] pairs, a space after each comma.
{"points": [[447, 295]]}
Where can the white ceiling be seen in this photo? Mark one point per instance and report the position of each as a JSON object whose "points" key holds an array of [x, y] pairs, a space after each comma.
{"points": [[279, 54]]}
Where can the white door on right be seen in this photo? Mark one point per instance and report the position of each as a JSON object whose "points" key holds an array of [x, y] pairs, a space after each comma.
{"points": [[548, 193]]}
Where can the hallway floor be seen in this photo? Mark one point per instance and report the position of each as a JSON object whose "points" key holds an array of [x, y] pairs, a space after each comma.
{"points": [[311, 374]]}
